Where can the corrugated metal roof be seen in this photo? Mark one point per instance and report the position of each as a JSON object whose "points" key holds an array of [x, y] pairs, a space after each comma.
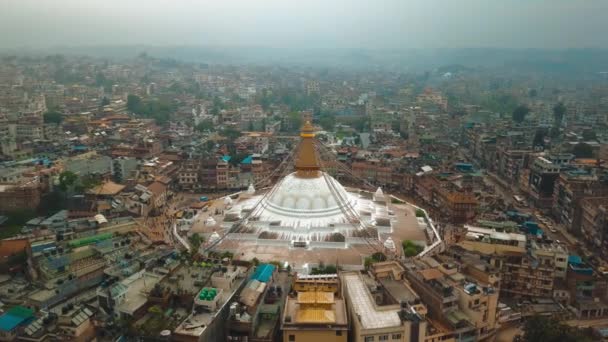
{"points": [[14, 317], [263, 272]]}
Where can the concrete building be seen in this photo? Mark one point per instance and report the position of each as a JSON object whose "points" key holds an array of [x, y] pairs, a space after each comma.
{"points": [[314, 316], [375, 317], [594, 222], [570, 188]]}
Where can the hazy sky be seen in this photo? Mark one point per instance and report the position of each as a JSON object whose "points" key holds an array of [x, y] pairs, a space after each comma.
{"points": [[308, 23]]}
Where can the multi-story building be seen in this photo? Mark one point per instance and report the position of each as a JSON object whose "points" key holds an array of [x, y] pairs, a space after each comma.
{"points": [[376, 316], [188, 175], [315, 316], [570, 188], [587, 292], [525, 270], [458, 207], [373, 170], [465, 304], [22, 195], [543, 174], [510, 162], [594, 222], [534, 274]]}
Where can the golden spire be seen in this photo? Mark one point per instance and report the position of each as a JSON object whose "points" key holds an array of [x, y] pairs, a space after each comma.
{"points": [[307, 162]]}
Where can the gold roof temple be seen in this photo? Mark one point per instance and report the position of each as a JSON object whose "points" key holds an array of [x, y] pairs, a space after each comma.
{"points": [[307, 161]]}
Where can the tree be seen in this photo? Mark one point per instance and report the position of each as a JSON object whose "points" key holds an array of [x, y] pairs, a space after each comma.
{"points": [[294, 121], [195, 241], [205, 125], [361, 124], [134, 103], [559, 110], [539, 138], [104, 101], [519, 114], [157, 109], [89, 182], [589, 134], [583, 150], [411, 249], [328, 122], [66, 180], [52, 116], [230, 133], [548, 329]]}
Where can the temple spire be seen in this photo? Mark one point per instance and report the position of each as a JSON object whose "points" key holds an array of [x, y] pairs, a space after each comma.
{"points": [[307, 161]]}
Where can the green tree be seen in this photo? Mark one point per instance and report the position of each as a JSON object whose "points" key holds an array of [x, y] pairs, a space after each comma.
{"points": [[67, 179], [158, 109], [205, 125], [548, 329], [134, 103], [328, 122], [52, 116], [583, 150], [294, 121], [230, 133], [589, 134], [361, 124], [539, 138], [519, 114], [88, 182], [411, 249], [195, 241], [559, 110], [104, 101]]}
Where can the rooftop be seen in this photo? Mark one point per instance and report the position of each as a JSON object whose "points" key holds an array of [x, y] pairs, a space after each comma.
{"points": [[367, 312], [14, 317]]}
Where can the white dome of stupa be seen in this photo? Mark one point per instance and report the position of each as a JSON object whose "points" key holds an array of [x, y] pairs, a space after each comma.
{"points": [[250, 190], [214, 237], [308, 201], [228, 200], [210, 221], [390, 244]]}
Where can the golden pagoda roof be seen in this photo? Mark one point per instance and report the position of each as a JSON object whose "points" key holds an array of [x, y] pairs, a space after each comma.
{"points": [[315, 316], [315, 297], [307, 161]]}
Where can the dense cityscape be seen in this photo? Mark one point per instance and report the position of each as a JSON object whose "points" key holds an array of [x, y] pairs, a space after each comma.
{"points": [[149, 197]]}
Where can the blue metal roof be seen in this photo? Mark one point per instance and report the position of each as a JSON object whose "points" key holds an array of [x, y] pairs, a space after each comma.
{"points": [[247, 160], [574, 259], [14, 317], [263, 272], [226, 158]]}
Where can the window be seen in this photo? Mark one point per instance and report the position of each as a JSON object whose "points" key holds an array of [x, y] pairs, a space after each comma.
{"points": [[396, 336], [383, 338], [292, 338], [369, 339]]}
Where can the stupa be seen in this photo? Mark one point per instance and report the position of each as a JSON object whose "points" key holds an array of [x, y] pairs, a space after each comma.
{"points": [[311, 205]]}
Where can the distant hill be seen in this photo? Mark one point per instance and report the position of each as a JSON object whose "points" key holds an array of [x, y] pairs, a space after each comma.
{"points": [[569, 61]]}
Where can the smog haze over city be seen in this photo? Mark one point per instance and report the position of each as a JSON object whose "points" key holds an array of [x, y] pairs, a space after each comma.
{"points": [[320, 170]]}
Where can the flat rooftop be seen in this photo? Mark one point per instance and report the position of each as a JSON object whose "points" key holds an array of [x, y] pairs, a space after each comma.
{"points": [[364, 305], [138, 285], [399, 290], [196, 323]]}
